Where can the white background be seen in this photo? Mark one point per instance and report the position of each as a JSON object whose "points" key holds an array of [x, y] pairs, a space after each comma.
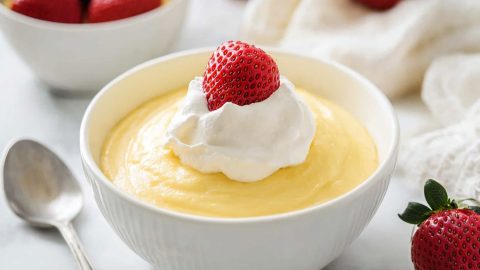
{"points": [[27, 108]]}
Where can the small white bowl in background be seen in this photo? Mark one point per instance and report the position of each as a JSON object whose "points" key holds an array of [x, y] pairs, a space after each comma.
{"points": [[306, 239], [85, 57]]}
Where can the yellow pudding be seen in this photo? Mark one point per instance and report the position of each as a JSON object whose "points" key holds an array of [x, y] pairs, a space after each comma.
{"points": [[342, 155]]}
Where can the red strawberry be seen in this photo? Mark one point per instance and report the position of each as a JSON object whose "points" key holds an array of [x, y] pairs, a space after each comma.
{"points": [[447, 237], [379, 4], [240, 73], [110, 10], [63, 11]]}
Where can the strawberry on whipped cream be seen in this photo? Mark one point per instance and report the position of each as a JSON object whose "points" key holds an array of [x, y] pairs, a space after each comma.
{"points": [[241, 118]]}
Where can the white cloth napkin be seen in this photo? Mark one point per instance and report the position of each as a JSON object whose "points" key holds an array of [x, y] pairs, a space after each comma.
{"points": [[451, 91], [393, 48]]}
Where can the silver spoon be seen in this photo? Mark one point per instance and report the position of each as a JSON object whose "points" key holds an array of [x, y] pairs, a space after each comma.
{"points": [[41, 189]]}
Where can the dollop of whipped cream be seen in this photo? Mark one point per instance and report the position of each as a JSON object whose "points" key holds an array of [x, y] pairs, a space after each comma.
{"points": [[246, 143]]}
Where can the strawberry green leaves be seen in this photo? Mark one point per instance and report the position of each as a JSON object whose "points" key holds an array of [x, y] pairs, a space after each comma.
{"points": [[415, 213], [436, 195], [437, 198]]}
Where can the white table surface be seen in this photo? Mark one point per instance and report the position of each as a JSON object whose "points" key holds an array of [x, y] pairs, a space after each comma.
{"points": [[27, 108]]}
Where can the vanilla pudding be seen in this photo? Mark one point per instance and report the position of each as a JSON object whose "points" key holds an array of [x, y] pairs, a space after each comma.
{"points": [[342, 155], [241, 141]]}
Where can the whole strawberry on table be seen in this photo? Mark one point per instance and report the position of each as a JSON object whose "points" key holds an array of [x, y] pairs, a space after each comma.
{"points": [[448, 232]]}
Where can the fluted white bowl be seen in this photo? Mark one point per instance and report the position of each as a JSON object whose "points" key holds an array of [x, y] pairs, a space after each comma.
{"points": [[74, 58], [306, 239]]}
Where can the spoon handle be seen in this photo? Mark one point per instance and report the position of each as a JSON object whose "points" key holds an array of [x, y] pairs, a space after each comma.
{"points": [[75, 245]]}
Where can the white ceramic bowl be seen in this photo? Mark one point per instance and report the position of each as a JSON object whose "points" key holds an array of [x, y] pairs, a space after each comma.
{"points": [[306, 239], [85, 57]]}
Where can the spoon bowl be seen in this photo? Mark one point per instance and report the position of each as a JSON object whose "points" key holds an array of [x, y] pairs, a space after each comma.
{"points": [[38, 185], [41, 189]]}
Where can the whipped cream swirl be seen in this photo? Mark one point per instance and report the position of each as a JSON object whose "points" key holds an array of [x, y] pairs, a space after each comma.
{"points": [[246, 143]]}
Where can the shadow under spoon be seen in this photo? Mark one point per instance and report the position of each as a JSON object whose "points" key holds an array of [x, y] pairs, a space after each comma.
{"points": [[41, 189]]}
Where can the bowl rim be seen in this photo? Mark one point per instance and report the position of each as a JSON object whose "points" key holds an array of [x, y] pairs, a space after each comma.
{"points": [[389, 160], [79, 27]]}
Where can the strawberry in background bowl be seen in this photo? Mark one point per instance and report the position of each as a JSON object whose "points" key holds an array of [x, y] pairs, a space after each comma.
{"points": [[107, 10], [82, 11], [74, 55], [64, 11]]}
